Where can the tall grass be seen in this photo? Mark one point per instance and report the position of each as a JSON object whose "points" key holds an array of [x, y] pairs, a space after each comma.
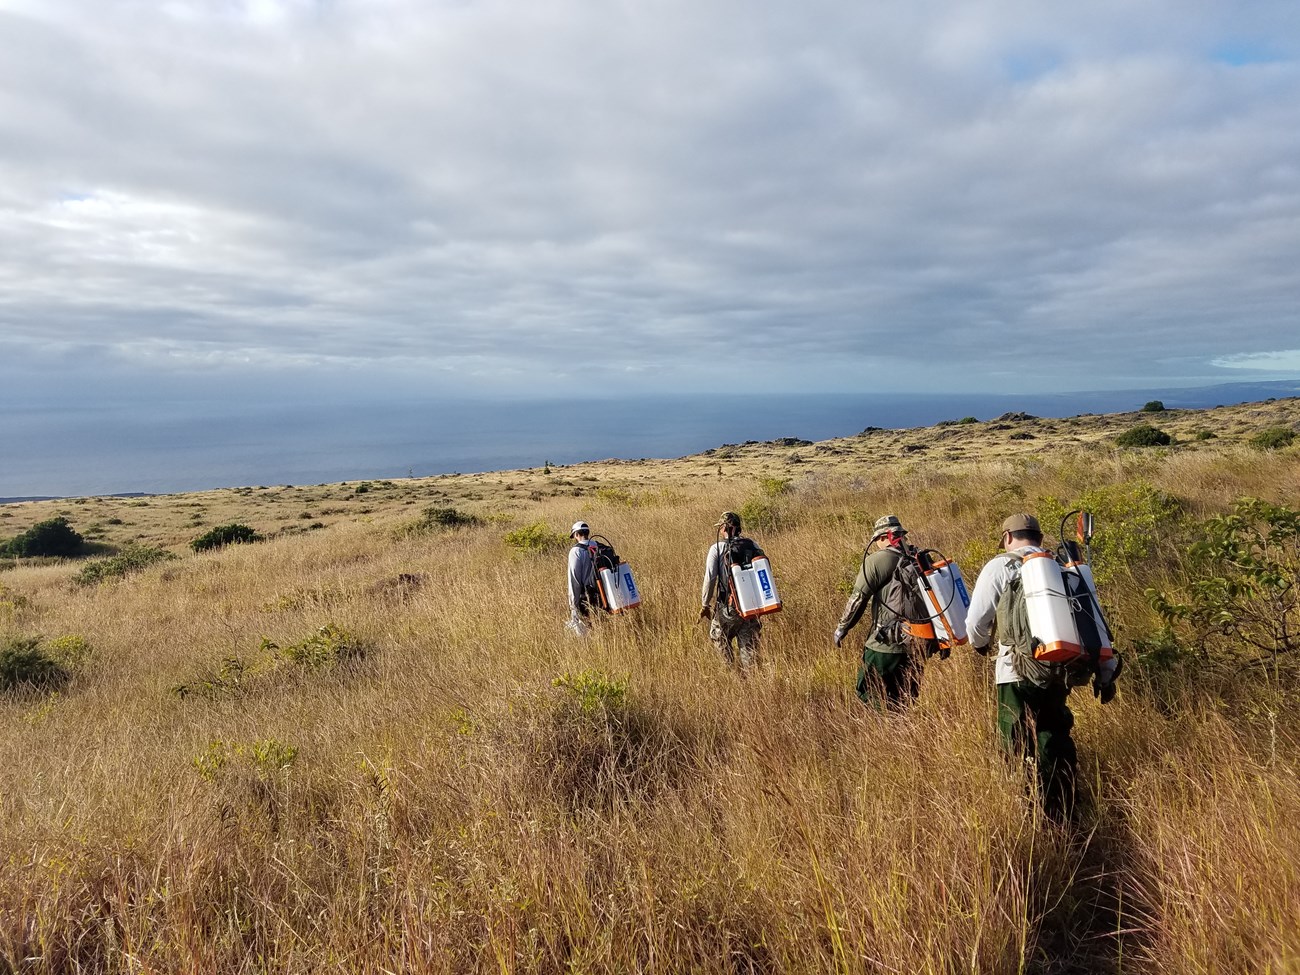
{"points": [[443, 804]]}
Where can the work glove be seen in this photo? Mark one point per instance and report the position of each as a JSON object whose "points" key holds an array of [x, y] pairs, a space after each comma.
{"points": [[1104, 692], [705, 613], [945, 653], [982, 651], [839, 636]]}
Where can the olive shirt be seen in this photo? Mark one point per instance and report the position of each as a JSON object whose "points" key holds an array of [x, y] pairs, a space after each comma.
{"points": [[874, 578]]}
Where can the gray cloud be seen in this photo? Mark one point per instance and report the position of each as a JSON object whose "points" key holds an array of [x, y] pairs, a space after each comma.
{"points": [[493, 192]]}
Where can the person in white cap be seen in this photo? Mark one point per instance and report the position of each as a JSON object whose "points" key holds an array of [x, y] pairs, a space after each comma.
{"points": [[582, 578]]}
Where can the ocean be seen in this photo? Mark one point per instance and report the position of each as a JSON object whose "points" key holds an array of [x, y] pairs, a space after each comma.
{"points": [[179, 446]]}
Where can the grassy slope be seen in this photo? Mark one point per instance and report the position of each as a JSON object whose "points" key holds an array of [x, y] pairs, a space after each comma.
{"points": [[448, 808]]}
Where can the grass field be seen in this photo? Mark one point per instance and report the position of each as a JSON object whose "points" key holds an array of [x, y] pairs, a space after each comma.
{"points": [[367, 744]]}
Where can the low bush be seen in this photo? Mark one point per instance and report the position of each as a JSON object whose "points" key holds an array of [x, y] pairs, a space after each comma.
{"points": [[53, 538], [222, 535], [327, 647], [1144, 435], [1153, 406], [536, 538], [437, 519], [137, 558], [24, 666], [1274, 438]]}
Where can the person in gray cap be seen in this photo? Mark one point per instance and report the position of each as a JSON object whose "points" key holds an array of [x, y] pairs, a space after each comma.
{"points": [[725, 622], [582, 578], [1031, 693], [890, 674]]}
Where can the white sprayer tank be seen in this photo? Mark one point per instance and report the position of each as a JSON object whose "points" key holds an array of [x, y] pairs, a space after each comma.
{"points": [[619, 588], [946, 599], [1092, 607], [1051, 618], [754, 588]]}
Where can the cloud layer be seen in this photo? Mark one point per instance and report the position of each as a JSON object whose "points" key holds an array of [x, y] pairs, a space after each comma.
{"points": [[493, 194]]}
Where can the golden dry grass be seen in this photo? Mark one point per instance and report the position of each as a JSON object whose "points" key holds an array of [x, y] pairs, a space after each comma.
{"points": [[448, 808]]}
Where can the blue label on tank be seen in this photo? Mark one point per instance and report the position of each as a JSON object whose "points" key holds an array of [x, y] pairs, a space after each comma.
{"points": [[961, 591], [631, 586], [766, 583]]}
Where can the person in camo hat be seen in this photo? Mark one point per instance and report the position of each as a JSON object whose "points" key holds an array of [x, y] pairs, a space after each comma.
{"points": [[889, 675], [1034, 720], [725, 623]]}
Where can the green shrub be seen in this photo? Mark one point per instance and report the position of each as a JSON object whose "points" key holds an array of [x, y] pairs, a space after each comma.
{"points": [[1143, 435], [225, 679], [536, 538], [435, 518], [363, 488], [1131, 518], [222, 535], [615, 495], [1204, 435], [327, 647], [1153, 406], [1238, 593], [24, 666], [1274, 438], [69, 650], [53, 538], [133, 559]]}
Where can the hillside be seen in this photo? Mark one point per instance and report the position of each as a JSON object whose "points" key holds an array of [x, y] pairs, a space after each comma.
{"points": [[367, 743]]}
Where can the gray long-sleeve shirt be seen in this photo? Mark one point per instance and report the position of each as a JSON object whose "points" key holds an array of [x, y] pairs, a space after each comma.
{"points": [[713, 566], [582, 573]]}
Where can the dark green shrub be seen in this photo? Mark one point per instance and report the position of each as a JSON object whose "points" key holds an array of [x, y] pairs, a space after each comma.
{"points": [[24, 666], [968, 419], [1204, 435], [363, 488], [1144, 435], [434, 518], [1274, 438], [222, 535], [1154, 406], [48, 539], [133, 559]]}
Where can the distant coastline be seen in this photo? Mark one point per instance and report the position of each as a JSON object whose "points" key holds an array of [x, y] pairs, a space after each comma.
{"points": [[128, 451]]}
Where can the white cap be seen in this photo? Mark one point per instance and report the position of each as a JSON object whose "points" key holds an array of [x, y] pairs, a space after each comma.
{"points": [[579, 526]]}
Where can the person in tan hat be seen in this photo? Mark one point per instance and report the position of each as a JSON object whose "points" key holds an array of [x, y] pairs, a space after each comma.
{"points": [[725, 622], [1034, 720], [890, 674]]}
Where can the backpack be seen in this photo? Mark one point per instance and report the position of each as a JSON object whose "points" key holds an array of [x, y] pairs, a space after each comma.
{"points": [[904, 618], [1013, 629], [737, 551]]}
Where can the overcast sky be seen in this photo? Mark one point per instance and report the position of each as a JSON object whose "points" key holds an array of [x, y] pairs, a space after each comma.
{"points": [[539, 195]]}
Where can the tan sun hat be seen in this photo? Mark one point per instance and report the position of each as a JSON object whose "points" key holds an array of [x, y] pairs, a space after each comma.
{"points": [[1021, 523], [729, 518], [887, 524]]}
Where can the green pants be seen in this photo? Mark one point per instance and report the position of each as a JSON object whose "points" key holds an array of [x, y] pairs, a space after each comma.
{"points": [[1028, 712], [888, 679]]}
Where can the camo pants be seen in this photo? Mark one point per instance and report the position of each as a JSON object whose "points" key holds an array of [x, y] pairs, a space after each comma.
{"points": [[728, 625]]}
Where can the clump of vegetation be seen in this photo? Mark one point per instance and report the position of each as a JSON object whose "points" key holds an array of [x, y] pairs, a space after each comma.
{"points": [[616, 496], [136, 558], [267, 757], [53, 538], [1132, 517], [223, 535], [1203, 435], [329, 646], [1274, 438], [435, 518], [1144, 435], [765, 511], [70, 650], [25, 667], [1153, 406], [225, 679], [363, 488], [536, 538], [1239, 590]]}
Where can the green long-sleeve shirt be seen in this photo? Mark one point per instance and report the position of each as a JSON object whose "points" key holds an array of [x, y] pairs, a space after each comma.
{"points": [[874, 578]]}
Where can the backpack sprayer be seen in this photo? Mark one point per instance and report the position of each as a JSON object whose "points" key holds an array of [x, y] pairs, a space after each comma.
{"points": [[618, 592], [751, 587], [1094, 632], [940, 613]]}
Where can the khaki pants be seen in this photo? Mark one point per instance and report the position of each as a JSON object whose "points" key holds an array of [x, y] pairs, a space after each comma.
{"points": [[728, 625]]}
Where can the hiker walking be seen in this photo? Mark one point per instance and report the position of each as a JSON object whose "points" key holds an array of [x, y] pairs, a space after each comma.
{"points": [[1034, 720], [725, 622], [890, 674], [583, 594]]}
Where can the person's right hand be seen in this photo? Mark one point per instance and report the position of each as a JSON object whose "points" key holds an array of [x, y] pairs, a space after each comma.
{"points": [[982, 651], [704, 613], [838, 637]]}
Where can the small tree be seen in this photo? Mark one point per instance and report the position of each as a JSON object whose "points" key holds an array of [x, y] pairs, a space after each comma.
{"points": [[1241, 591], [223, 535], [1153, 406], [52, 538], [1144, 435]]}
